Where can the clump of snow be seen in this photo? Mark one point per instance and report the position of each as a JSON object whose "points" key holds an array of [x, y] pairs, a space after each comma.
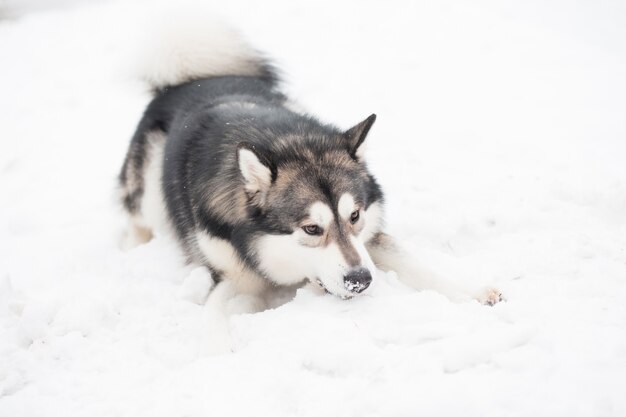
{"points": [[354, 286], [500, 143]]}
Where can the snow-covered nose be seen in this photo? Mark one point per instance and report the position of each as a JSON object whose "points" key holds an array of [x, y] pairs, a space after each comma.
{"points": [[357, 280]]}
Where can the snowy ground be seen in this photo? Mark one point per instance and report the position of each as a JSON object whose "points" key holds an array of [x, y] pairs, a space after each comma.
{"points": [[501, 144]]}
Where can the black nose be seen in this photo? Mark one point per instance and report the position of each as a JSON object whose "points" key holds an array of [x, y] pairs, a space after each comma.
{"points": [[357, 280]]}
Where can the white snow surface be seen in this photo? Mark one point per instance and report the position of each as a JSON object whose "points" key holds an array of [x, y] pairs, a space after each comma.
{"points": [[500, 142]]}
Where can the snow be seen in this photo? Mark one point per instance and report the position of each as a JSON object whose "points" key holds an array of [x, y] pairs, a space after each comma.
{"points": [[500, 141]]}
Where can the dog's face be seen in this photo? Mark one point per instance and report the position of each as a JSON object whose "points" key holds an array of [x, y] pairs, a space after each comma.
{"points": [[314, 213]]}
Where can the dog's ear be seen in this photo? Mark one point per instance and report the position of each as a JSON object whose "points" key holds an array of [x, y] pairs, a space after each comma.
{"points": [[356, 135], [255, 170]]}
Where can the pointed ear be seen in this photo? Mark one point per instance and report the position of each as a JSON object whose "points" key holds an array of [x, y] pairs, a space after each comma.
{"points": [[255, 170], [356, 135]]}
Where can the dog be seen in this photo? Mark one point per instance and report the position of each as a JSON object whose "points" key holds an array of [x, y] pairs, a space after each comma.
{"points": [[264, 196]]}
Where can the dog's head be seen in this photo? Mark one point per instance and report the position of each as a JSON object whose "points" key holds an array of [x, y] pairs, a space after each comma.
{"points": [[313, 205]]}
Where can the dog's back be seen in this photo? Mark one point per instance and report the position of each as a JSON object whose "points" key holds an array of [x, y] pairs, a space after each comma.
{"points": [[190, 72]]}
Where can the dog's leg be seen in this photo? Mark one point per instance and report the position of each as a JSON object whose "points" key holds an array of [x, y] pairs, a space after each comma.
{"points": [[197, 284], [135, 235], [228, 298], [140, 187], [388, 255]]}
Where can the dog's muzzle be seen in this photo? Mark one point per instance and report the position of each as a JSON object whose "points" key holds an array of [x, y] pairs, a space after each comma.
{"points": [[357, 280]]}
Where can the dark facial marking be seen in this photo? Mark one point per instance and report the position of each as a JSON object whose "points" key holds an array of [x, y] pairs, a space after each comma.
{"points": [[341, 235]]}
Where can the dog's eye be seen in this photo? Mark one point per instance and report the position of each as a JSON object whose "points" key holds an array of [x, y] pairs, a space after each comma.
{"points": [[312, 230], [354, 217]]}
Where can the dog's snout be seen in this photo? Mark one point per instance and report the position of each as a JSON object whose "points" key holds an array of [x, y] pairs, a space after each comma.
{"points": [[357, 280]]}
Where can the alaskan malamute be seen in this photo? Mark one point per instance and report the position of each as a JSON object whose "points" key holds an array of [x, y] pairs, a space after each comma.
{"points": [[262, 195]]}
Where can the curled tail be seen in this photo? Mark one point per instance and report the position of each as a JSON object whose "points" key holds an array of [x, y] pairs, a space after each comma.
{"points": [[190, 46]]}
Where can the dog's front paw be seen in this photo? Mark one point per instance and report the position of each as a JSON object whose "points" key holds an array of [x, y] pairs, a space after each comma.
{"points": [[490, 297]]}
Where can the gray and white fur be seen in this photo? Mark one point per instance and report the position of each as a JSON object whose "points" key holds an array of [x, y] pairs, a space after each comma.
{"points": [[262, 196]]}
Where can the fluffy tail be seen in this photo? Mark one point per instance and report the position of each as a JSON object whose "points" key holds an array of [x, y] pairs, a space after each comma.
{"points": [[182, 48]]}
